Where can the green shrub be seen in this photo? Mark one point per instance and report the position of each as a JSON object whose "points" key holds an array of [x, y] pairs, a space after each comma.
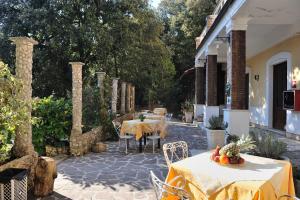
{"points": [[52, 120], [12, 111], [267, 145], [216, 123]]}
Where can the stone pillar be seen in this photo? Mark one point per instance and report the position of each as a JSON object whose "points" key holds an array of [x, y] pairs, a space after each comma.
{"points": [[236, 114], [199, 89], [133, 98], [100, 80], [114, 98], [211, 108], [24, 48], [123, 98], [77, 97], [128, 97]]}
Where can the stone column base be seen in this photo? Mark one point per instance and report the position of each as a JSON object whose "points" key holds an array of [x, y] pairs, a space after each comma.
{"points": [[238, 121], [210, 111], [198, 110]]}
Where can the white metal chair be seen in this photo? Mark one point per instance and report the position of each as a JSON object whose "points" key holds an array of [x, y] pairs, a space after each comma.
{"points": [[175, 151], [169, 116], [154, 137], [174, 188], [288, 197], [126, 138]]}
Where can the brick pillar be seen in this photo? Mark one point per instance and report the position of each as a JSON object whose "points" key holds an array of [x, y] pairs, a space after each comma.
{"points": [[123, 98], [77, 97], [200, 78], [100, 80], [238, 69], [114, 99], [24, 48], [211, 108], [236, 115], [211, 81], [128, 97]]}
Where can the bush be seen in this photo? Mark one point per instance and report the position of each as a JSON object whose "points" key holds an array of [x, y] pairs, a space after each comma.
{"points": [[12, 111], [267, 145], [187, 106], [216, 123], [52, 120]]}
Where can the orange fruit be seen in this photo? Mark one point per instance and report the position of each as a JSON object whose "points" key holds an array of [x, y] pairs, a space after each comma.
{"points": [[224, 159]]}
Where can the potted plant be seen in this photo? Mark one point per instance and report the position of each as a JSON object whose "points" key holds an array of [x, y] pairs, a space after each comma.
{"points": [[215, 132], [188, 108], [142, 117], [268, 146]]}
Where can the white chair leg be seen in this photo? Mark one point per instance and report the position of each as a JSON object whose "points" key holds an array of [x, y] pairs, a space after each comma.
{"points": [[153, 145], [126, 146]]}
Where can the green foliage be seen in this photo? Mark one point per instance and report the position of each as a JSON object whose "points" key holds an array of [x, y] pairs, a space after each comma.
{"points": [[12, 111], [268, 145], [142, 117], [216, 123], [52, 120], [232, 138], [187, 106], [121, 38]]}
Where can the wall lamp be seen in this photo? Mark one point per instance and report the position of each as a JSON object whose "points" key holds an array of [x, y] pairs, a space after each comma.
{"points": [[256, 77]]}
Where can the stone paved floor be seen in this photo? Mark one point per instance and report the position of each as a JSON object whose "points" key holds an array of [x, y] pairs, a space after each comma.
{"points": [[115, 176]]}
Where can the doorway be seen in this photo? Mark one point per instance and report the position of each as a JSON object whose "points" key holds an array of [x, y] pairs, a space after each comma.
{"points": [[279, 85]]}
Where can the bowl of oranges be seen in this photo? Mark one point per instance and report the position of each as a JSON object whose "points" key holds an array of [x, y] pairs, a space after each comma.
{"points": [[230, 153]]}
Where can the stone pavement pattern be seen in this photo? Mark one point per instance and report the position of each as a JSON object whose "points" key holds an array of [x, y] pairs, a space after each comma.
{"points": [[112, 175]]}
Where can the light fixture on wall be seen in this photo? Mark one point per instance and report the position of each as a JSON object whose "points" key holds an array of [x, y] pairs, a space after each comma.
{"points": [[256, 77], [223, 39]]}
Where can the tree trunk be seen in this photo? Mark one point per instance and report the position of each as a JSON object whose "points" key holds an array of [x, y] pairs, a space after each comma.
{"points": [[45, 174]]}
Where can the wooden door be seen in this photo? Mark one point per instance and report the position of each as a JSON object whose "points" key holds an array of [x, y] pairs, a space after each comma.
{"points": [[279, 85], [221, 81]]}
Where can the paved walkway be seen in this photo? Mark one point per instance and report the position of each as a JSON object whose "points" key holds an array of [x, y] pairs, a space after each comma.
{"points": [[115, 176]]}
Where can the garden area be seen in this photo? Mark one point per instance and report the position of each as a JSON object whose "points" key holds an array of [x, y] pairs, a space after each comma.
{"points": [[96, 103]]}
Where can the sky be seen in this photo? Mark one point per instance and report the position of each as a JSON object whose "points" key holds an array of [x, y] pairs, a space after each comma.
{"points": [[155, 3]]}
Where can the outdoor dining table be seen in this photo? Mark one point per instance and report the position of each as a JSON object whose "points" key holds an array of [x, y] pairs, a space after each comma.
{"points": [[160, 111], [154, 116], [141, 128], [257, 179]]}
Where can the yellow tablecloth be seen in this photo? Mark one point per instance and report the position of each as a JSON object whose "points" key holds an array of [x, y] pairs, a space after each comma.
{"points": [[138, 128], [160, 111], [257, 179]]}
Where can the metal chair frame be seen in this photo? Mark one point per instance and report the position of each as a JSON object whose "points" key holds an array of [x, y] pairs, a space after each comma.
{"points": [[163, 190], [173, 148], [126, 138]]}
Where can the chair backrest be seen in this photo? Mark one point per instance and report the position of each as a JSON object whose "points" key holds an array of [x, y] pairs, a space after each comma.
{"points": [[169, 116], [175, 151], [288, 197], [117, 127], [163, 190]]}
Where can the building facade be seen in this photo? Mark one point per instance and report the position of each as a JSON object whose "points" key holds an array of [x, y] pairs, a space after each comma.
{"points": [[247, 57]]}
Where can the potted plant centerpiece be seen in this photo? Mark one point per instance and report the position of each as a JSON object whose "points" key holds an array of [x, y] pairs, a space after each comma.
{"points": [[142, 117], [188, 108], [215, 132]]}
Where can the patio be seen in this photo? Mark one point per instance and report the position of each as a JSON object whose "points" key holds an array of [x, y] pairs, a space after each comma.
{"points": [[114, 175]]}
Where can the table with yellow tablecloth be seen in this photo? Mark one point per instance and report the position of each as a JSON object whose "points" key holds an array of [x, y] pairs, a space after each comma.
{"points": [[257, 179], [160, 111], [154, 117], [139, 128]]}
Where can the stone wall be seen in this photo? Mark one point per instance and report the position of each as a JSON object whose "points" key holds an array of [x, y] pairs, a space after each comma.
{"points": [[26, 162], [81, 144], [54, 151]]}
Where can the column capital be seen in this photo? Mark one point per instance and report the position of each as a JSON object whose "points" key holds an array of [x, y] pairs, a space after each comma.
{"points": [[200, 62], [240, 24], [76, 64], [212, 49], [23, 40]]}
